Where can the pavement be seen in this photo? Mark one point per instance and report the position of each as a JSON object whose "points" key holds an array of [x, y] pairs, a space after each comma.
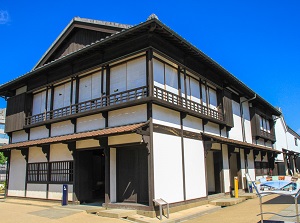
{"points": [[25, 210]]}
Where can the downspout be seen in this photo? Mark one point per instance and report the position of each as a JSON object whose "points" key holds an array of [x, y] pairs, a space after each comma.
{"points": [[242, 115]]}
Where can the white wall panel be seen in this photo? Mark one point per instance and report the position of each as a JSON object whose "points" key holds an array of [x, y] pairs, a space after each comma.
{"points": [[39, 103], [122, 139], [62, 128], [55, 192], [39, 133], [168, 184], [236, 132], [113, 175], [171, 79], [226, 169], [213, 101], [165, 116], [192, 124], [251, 167], [60, 152], [19, 136], [210, 172], [247, 122], [89, 143], [96, 85], [127, 116], [37, 191], [194, 169], [85, 85], [92, 122], [17, 174], [136, 73], [280, 130], [243, 170], [269, 144], [159, 74], [258, 157], [212, 128], [36, 155], [118, 79], [62, 95]]}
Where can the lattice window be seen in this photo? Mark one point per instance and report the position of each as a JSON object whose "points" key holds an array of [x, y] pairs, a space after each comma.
{"points": [[52, 172], [61, 171]]}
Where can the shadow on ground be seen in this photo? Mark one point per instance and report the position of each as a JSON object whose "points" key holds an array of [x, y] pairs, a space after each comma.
{"points": [[282, 200]]}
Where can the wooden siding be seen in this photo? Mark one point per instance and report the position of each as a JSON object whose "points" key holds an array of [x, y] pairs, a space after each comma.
{"points": [[228, 113], [17, 108], [77, 40]]}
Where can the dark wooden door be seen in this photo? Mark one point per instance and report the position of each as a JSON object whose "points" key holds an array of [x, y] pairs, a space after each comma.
{"points": [[218, 167], [132, 174]]}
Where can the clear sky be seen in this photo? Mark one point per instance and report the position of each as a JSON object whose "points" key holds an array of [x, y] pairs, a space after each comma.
{"points": [[257, 41]]}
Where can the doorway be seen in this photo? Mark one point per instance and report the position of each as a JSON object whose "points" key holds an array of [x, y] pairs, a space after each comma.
{"points": [[90, 175], [214, 167], [132, 174]]}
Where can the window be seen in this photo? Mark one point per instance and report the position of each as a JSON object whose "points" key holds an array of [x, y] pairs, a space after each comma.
{"points": [[296, 142], [54, 172], [264, 124]]}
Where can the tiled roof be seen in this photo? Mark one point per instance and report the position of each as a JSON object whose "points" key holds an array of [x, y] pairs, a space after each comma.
{"points": [[237, 143], [76, 136]]}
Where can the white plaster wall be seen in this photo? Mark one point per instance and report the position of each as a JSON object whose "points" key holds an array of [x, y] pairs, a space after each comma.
{"points": [[210, 172], [62, 128], [224, 132], [281, 140], [62, 95], [251, 167], [167, 117], [265, 158], [36, 191], [19, 136], [226, 169], [39, 133], [122, 139], [17, 174], [55, 192], [89, 143], [247, 122], [291, 143], [212, 128], [168, 175], [60, 152], [236, 131], [243, 170], [279, 157], [113, 175], [194, 169], [127, 116], [192, 124], [92, 122], [36, 155]]}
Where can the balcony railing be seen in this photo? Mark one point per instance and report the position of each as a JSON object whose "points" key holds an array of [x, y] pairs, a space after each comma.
{"points": [[105, 101], [186, 103], [267, 135], [123, 97]]}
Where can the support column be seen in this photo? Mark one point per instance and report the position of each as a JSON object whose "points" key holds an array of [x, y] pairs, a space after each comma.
{"points": [[226, 170]]}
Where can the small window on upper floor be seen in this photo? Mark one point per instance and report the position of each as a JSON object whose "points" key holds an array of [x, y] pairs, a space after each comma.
{"points": [[296, 142]]}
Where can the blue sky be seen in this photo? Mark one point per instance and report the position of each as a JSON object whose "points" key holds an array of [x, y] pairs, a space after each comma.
{"points": [[257, 41]]}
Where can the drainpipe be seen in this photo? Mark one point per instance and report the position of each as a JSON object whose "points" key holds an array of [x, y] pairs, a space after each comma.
{"points": [[242, 114]]}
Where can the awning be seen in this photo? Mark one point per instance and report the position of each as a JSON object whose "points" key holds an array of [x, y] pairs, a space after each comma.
{"points": [[77, 136], [236, 143]]}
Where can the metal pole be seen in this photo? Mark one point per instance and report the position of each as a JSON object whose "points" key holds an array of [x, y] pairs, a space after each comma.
{"points": [[236, 187], [261, 213], [296, 206]]}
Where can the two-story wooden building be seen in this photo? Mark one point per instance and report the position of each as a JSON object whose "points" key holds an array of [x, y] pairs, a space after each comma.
{"points": [[129, 114]]}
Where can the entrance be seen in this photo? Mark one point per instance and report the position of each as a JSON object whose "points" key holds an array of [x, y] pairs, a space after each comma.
{"points": [[214, 167], [132, 174], [235, 169], [90, 175]]}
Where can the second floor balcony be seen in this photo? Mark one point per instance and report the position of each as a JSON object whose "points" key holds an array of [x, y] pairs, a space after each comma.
{"points": [[124, 99]]}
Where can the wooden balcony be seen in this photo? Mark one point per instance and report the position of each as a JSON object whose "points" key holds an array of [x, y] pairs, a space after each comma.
{"points": [[267, 135], [107, 102], [187, 104], [90, 105]]}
